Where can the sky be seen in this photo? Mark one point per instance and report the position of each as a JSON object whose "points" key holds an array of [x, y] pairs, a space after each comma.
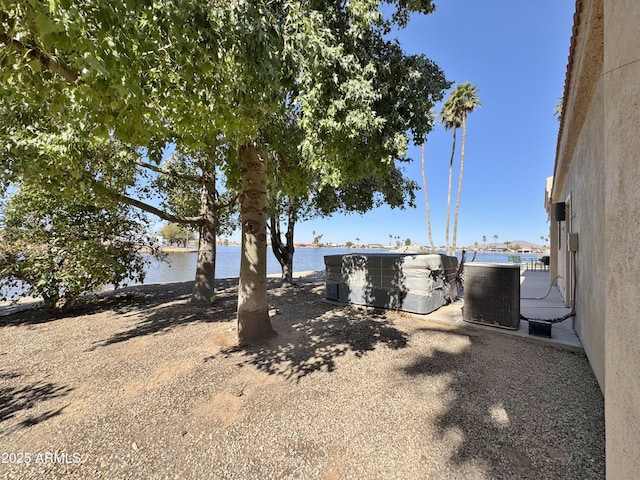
{"points": [[516, 53]]}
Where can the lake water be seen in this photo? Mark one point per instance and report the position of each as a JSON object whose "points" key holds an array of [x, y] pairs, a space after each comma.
{"points": [[181, 267]]}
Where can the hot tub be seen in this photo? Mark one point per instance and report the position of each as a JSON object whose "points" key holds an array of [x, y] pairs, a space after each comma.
{"points": [[417, 283]]}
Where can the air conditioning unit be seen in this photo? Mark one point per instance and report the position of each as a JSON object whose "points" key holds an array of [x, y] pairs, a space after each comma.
{"points": [[492, 294]]}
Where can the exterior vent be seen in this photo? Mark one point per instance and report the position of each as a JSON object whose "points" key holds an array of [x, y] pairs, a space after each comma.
{"points": [[560, 211], [492, 294]]}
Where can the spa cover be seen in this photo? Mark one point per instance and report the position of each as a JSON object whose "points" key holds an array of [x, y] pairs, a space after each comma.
{"points": [[417, 283]]}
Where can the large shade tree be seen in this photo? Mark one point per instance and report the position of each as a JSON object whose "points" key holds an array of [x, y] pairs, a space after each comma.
{"points": [[204, 74], [193, 193], [405, 89], [394, 190]]}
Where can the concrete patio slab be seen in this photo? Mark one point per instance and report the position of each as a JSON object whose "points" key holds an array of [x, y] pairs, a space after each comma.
{"points": [[539, 299]]}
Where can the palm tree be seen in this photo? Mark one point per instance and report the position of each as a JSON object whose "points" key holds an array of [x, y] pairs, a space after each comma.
{"points": [[484, 241], [464, 100], [448, 116], [431, 121], [495, 245], [557, 111]]}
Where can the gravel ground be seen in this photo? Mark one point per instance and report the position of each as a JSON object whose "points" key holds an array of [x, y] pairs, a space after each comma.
{"points": [[142, 385]]}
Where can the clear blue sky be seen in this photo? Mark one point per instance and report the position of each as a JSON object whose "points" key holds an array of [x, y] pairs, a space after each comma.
{"points": [[516, 53]]}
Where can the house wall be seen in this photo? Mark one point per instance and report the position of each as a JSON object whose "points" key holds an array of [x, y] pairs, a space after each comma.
{"points": [[597, 171], [578, 181], [622, 236], [582, 273]]}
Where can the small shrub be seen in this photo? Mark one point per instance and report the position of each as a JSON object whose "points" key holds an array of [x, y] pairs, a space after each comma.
{"points": [[60, 250]]}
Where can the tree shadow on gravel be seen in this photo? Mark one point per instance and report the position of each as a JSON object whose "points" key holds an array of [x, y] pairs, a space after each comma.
{"points": [[525, 411], [315, 337], [18, 398], [172, 308]]}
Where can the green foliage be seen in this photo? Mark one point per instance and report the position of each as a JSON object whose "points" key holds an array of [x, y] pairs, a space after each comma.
{"points": [[463, 100], [177, 195], [317, 82], [351, 114], [179, 189], [152, 72], [175, 234], [59, 250], [365, 95], [394, 190], [201, 73]]}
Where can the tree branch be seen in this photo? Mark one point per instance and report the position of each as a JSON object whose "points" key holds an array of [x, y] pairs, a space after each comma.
{"points": [[183, 176], [148, 208], [230, 201], [47, 62]]}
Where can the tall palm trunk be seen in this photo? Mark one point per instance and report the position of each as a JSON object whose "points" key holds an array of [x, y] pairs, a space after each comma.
{"points": [[204, 286], [463, 99], [426, 198], [254, 325], [446, 234], [464, 137]]}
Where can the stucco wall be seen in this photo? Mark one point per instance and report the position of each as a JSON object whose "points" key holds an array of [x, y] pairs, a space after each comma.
{"points": [[622, 239], [579, 181], [584, 192], [598, 169]]}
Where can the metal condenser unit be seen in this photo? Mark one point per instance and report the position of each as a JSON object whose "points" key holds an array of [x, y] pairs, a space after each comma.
{"points": [[492, 294]]}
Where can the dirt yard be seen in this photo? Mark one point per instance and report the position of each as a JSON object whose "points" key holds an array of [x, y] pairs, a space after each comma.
{"points": [[140, 384]]}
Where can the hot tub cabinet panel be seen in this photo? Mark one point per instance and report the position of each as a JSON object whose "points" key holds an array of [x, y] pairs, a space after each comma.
{"points": [[412, 283]]}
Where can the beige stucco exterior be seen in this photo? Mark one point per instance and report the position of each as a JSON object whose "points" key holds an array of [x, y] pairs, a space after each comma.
{"points": [[597, 175], [622, 236], [578, 176]]}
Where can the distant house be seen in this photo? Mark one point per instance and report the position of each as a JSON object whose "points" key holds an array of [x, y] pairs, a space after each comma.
{"points": [[593, 201]]}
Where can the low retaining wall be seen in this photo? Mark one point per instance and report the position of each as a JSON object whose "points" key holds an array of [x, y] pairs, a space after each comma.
{"points": [[411, 283]]}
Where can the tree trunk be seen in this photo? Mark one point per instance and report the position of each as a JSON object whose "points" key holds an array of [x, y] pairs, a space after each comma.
{"points": [[284, 251], [204, 286], [426, 198], [453, 150], [254, 325], [460, 272], [455, 220]]}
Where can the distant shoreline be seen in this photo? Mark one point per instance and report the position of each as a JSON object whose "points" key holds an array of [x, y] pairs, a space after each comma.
{"points": [[168, 249], [194, 249], [179, 249]]}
